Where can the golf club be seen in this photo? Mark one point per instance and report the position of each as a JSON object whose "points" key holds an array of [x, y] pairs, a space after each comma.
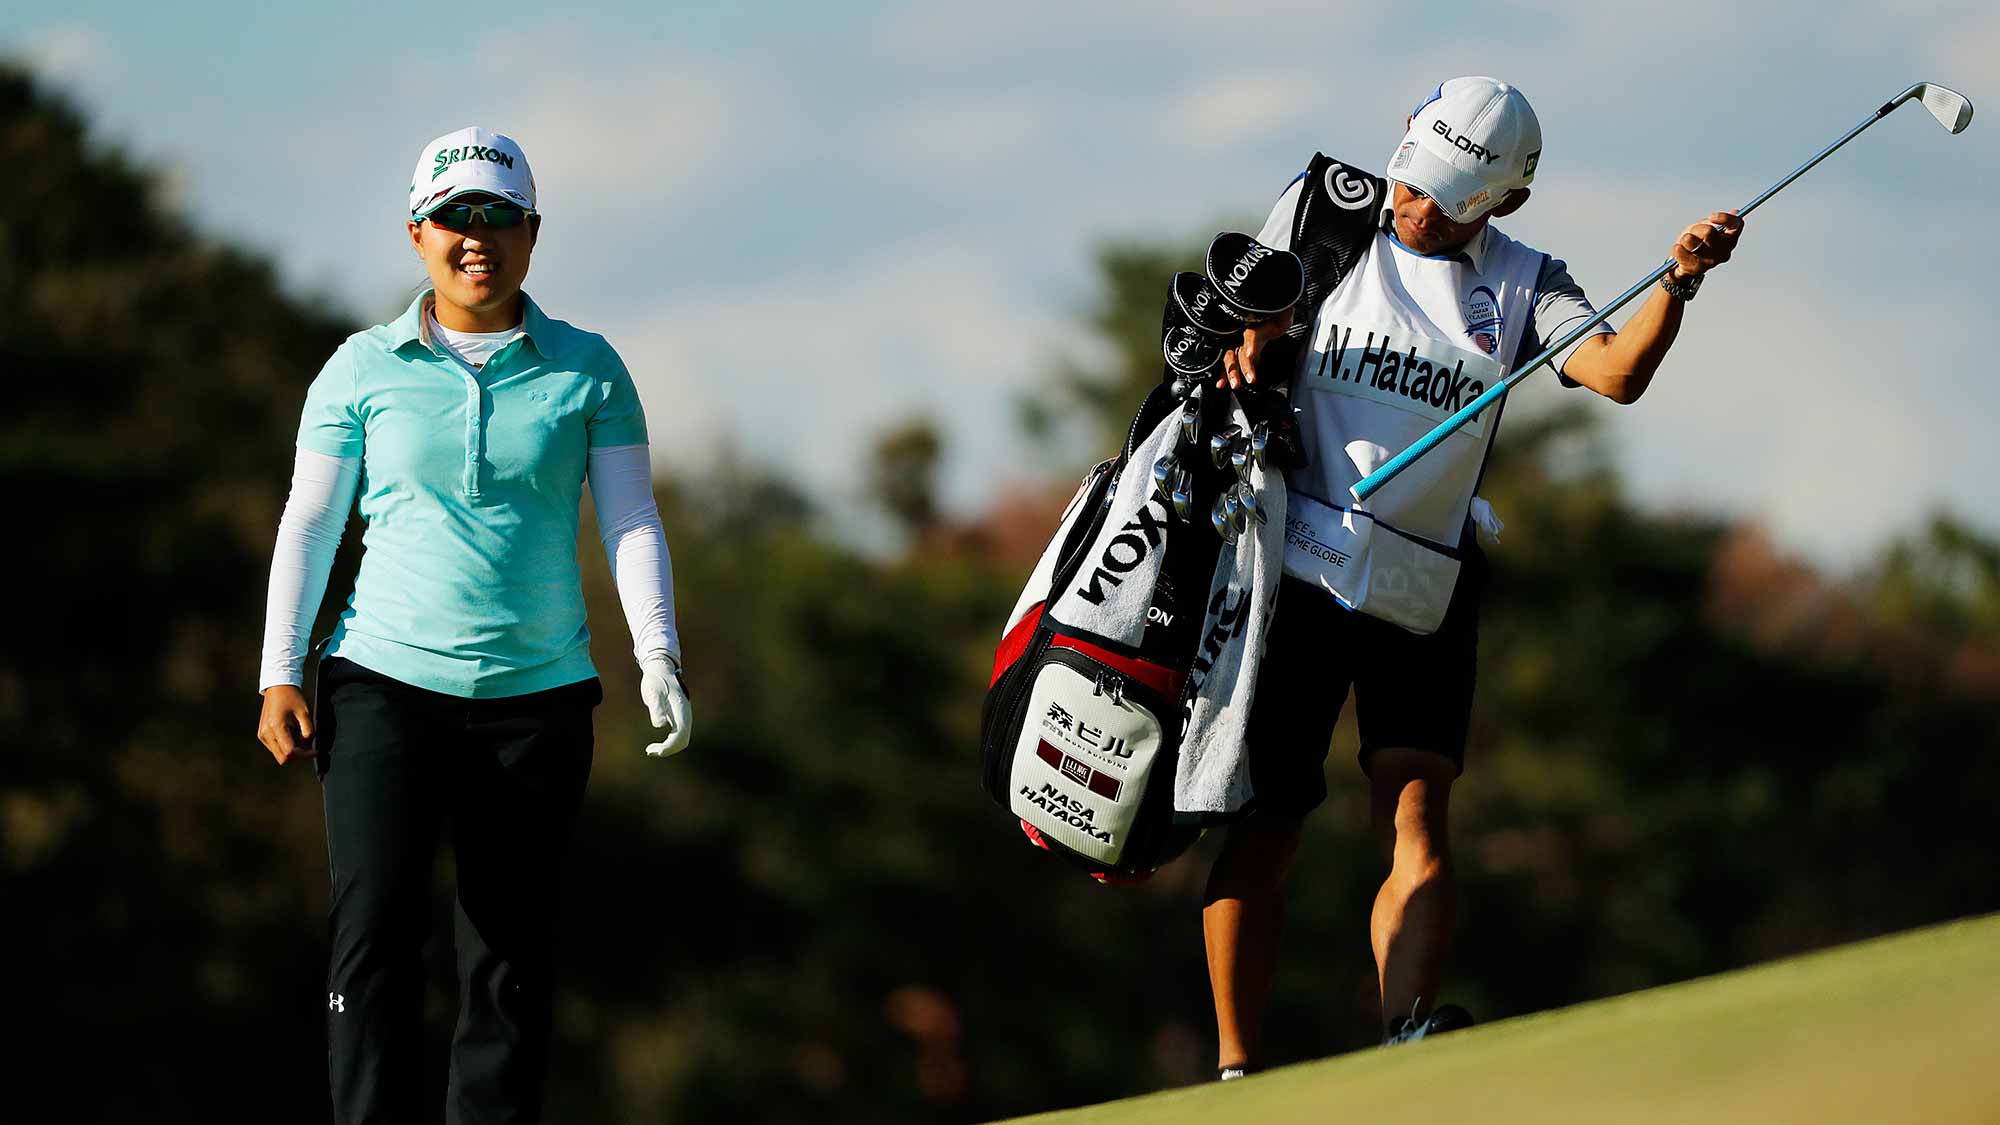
{"points": [[1163, 476], [1182, 496], [1224, 525], [1219, 443], [1952, 110], [1246, 498], [1191, 419], [1260, 444]]}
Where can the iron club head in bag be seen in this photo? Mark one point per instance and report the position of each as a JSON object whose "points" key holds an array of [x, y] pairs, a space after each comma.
{"points": [[1239, 460], [1251, 511], [1231, 507], [1224, 526], [1191, 419], [1219, 444], [1257, 281], [1182, 495], [1164, 471], [1260, 444]]}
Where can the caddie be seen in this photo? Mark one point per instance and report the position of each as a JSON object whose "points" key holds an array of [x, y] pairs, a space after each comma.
{"points": [[1431, 305]]}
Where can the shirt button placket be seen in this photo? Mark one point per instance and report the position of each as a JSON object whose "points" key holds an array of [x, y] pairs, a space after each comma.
{"points": [[471, 433]]}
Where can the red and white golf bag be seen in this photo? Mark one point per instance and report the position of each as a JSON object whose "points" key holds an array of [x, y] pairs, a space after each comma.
{"points": [[1130, 656], [1083, 714]]}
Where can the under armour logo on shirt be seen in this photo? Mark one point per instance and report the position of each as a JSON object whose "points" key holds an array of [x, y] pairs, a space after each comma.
{"points": [[335, 1002]]}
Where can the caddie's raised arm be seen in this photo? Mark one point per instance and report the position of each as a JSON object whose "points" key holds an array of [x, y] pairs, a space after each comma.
{"points": [[1620, 365]]}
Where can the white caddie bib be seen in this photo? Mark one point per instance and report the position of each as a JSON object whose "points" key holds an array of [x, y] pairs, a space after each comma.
{"points": [[1400, 345]]}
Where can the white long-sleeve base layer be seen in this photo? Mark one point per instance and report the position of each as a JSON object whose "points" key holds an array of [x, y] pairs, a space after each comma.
{"points": [[323, 487]]}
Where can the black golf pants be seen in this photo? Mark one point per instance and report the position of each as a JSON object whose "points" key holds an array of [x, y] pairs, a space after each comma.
{"points": [[398, 766]]}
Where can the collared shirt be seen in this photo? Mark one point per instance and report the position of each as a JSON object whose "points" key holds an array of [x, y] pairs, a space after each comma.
{"points": [[470, 487], [1560, 304]]}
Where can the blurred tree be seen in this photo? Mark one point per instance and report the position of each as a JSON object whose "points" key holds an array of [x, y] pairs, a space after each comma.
{"points": [[153, 863], [1945, 580], [902, 470]]}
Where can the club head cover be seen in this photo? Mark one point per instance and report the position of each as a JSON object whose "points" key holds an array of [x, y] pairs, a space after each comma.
{"points": [[1201, 304], [1256, 282], [1190, 351]]}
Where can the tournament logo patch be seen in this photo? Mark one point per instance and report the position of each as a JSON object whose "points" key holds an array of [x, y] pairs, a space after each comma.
{"points": [[1097, 781], [1349, 191], [1404, 154], [1482, 319]]}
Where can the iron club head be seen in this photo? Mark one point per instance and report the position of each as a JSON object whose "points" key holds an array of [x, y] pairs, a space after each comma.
{"points": [[1232, 508], [1253, 512], [1182, 496], [1224, 526], [1219, 443], [1163, 477], [1260, 444], [1952, 109]]}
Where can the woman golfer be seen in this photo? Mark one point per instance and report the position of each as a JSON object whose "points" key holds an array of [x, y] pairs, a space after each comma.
{"points": [[456, 691]]}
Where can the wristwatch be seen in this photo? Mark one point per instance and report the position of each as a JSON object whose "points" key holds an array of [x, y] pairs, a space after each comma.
{"points": [[1682, 291]]}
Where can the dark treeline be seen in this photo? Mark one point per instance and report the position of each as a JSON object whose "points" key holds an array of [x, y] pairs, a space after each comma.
{"points": [[1689, 754]]}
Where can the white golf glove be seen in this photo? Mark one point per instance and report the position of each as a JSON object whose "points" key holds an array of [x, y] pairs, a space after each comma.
{"points": [[667, 702]]}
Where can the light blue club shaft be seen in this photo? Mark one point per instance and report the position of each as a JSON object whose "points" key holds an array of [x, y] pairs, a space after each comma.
{"points": [[1951, 109]]}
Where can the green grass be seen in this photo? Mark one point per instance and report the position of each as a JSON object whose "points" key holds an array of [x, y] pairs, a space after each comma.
{"points": [[1903, 1029]]}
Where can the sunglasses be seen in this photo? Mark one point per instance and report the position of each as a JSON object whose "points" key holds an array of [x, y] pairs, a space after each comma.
{"points": [[458, 217]]}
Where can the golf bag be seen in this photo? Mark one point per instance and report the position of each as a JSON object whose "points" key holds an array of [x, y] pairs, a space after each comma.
{"points": [[1080, 728], [1097, 672]]}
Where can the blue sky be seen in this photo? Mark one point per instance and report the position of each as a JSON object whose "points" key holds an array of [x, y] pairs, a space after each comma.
{"points": [[801, 223]]}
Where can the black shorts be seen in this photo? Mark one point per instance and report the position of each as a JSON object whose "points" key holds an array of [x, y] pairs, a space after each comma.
{"points": [[1411, 692]]}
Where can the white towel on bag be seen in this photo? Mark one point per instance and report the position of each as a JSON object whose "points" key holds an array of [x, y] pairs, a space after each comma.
{"points": [[1121, 614], [1213, 776]]}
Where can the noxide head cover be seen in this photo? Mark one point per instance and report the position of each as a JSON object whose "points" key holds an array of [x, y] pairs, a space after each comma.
{"points": [[1256, 282], [1190, 351], [1202, 304]]}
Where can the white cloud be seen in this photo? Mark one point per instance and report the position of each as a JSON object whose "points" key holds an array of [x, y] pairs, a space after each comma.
{"points": [[65, 52], [806, 370], [1228, 112], [955, 138], [618, 135], [955, 34]]}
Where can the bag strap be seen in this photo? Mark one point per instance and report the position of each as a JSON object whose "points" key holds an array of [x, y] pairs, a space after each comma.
{"points": [[1339, 211]]}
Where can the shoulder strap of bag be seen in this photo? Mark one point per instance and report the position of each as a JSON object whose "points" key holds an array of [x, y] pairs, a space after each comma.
{"points": [[1339, 209]]}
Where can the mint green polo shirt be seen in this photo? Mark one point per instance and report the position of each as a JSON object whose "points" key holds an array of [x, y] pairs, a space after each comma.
{"points": [[470, 486]]}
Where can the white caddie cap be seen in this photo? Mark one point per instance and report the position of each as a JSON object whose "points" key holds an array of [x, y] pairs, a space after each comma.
{"points": [[471, 160], [1471, 142]]}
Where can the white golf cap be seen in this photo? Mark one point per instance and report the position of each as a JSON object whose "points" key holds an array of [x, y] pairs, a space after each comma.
{"points": [[471, 160], [1471, 142]]}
